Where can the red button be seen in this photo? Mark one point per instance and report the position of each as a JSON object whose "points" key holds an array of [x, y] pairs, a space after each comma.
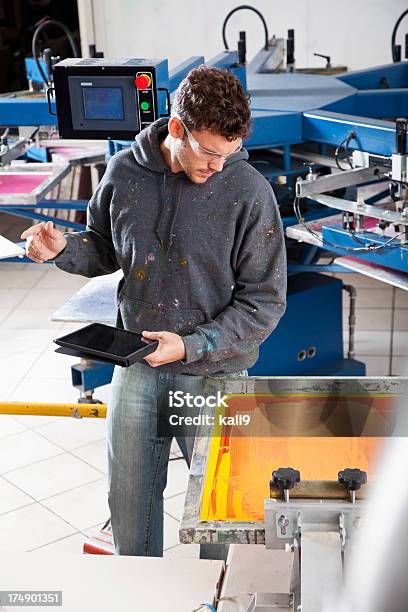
{"points": [[143, 81]]}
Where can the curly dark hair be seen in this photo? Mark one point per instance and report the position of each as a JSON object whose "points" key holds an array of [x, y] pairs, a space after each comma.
{"points": [[213, 99]]}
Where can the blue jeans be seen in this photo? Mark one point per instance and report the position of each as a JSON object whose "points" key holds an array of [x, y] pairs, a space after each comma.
{"points": [[138, 454]]}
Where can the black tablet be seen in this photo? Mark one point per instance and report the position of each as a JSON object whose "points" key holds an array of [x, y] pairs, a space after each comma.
{"points": [[116, 345], [64, 350]]}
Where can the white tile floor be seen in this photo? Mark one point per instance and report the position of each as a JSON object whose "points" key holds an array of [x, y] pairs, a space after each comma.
{"points": [[53, 471]]}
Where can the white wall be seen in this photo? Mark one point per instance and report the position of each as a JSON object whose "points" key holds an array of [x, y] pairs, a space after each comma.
{"points": [[355, 33]]}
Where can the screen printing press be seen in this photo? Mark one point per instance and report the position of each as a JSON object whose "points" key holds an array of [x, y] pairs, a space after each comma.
{"points": [[299, 523], [287, 488]]}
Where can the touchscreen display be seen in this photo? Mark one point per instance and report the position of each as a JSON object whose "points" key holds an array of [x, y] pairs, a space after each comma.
{"points": [[105, 339], [103, 103]]}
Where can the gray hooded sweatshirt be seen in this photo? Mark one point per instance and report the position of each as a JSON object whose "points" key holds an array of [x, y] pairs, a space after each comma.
{"points": [[206, 261]]}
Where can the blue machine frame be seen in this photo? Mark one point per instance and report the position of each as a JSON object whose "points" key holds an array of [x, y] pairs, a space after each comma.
{"points": [[289, 109]]}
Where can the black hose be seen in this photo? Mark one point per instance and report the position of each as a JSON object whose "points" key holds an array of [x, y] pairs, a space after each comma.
{"points": [[45, 24], [395, 30], [238, 8], [344, 143]]}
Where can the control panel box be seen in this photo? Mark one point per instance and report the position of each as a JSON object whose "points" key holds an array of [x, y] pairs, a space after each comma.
{"points": [[100, 98]]}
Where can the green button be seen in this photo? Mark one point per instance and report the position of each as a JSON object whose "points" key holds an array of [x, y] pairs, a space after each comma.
{"points": [[145, 106]]}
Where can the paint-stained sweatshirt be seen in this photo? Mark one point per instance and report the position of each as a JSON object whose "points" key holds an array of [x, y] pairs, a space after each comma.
{"points": [[206, 261]]}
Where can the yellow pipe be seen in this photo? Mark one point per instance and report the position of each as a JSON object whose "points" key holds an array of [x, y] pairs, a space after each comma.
{"points": [[96, 411]]}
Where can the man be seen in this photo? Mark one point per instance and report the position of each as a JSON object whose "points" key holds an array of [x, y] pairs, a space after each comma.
{"points": [[198, 235]]}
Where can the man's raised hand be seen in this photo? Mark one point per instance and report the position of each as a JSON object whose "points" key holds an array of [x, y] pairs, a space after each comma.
{"points": [[43, 242]]}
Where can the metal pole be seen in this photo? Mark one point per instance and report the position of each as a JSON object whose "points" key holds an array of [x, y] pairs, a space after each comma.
{"points": [[352, 318], [95, 411], [391, 354]]}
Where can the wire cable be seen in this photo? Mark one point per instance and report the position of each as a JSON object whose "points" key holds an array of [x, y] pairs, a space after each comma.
{"points": [[394, 33], [344, 144], [351, 232], [41, 26], [366, 248], [239, 8]]}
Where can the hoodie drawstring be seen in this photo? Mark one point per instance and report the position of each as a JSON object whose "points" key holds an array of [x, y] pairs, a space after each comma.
{"points": [[173, 221], [168, 215]]}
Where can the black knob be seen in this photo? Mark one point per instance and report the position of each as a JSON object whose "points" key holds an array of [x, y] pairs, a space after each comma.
{"points": [[285, 478], [401, 136], [326, 57], [396, 53], [290, 48], [383, 224], [352, 478], [242, 48]]}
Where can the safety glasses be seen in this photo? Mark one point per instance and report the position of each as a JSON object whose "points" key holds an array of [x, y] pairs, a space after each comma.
{"points": [[201, 151]]}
